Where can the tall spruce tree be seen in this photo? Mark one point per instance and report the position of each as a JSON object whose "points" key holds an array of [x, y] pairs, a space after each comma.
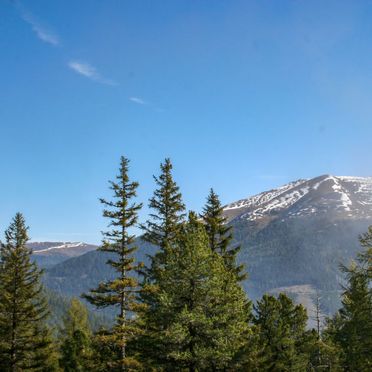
{"points": [[168, 214], [220, 234], [200, 310], [25, 341], [122, 291], [76, 333], [162, 230], [281, 329], [351, 327]]}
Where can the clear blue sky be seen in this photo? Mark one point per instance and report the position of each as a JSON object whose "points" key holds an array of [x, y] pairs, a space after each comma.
{"points": [[242, 95]]}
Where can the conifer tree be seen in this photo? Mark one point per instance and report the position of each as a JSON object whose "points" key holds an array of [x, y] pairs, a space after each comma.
{"points": [[105, 352], [200, 311], [220, 234], [47, 355], [323, 354], [121, 292], [168, 214], [25, 341], [281, 326], [351, 327], [76, 335]]}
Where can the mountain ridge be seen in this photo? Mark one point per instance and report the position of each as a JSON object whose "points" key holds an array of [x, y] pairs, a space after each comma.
{"points": [[47, 254], [343, 193], [292, 238]]}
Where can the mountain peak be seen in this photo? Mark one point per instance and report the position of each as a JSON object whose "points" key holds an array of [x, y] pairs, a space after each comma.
{"points": [[339, 196]]}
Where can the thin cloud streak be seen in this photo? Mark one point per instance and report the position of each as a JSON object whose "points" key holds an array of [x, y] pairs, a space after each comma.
{"points": [[90, 72], [41, 32], [137, 100], [142, 102]]}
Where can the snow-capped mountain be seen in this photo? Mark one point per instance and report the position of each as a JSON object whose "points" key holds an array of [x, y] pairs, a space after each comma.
{"points": [[340, 197], [49, 253], [292, 239], [297, 235]]}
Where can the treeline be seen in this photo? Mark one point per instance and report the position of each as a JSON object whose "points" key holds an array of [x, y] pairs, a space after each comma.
{"points": [[185, 310]]}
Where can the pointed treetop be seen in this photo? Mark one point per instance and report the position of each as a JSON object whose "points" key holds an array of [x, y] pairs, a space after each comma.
{"points": [[17, 232], [168, 209]]}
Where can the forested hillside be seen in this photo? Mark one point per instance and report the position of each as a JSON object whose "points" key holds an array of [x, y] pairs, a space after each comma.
{"points": [[174, 299], [280, 247]]}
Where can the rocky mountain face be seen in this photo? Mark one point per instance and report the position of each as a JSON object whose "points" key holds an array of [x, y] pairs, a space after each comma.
{"points": [[333, 197], [292, 239], [50, 253], [295, 237]]}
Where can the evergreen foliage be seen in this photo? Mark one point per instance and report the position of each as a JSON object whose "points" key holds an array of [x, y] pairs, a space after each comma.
{"points": [[25, 341], [351, 327], [220, 234], [323, 354], [189, 313], [163, 227], [162, 231], [76, 335], [120, 292], [200, 311], [105, 351], [281, 328]]}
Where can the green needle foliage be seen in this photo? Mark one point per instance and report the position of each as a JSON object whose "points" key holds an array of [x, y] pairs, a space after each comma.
{"points": [[200, 311], [25, 341], [168, 214], [351, 327], [281, 327], [220, 234], [323, 354], [76, 351], [122, 291]]}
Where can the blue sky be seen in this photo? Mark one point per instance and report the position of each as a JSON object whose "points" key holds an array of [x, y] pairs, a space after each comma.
{"points": [[242, 95]]}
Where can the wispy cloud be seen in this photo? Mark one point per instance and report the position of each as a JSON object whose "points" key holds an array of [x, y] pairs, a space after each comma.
{"points": [[142, 102], [40, 31], [138, 100], [90, 72]]}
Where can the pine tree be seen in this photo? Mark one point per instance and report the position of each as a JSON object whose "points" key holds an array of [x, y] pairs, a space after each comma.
{"points": [[25, 341], [122, 291], [351, 327], [365, 256], [200, 311], [76, 335], [323, 354], [168, 214], [281, 326], [105, 352], [220, 234], [47, 354]]}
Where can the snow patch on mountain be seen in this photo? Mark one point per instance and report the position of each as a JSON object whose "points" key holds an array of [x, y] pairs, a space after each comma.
{"points": [[343, 196], [61, 246], [264, 197]]}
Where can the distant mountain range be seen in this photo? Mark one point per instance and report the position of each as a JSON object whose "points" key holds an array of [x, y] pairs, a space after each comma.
{"points": [[293, 239], [50, 253]]}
